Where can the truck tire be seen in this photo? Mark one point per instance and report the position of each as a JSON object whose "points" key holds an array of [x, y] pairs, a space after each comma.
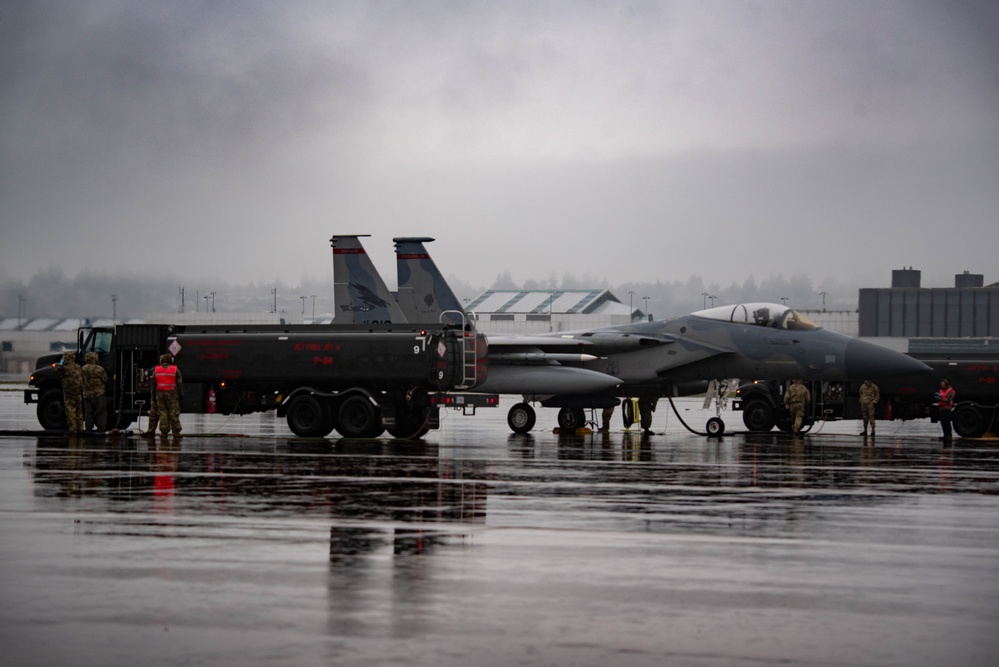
{"points": [[358, 418], [410, 424], [51, 412], [969, 422], [306, 417], [521, 418], [569, 419], [758, 416]]}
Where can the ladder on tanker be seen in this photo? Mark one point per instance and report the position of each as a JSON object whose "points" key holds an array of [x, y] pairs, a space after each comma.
{"points": [[469, 347]]}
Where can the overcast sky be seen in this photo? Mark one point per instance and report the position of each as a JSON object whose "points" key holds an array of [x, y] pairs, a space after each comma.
{"points": [[632, 141]]}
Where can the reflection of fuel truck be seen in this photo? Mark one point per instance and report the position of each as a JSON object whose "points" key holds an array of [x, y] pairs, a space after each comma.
{"points": [[357, 379], [970, 369]]}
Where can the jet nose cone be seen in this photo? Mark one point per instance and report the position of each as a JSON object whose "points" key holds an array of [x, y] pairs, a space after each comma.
{"points": [[865, 360]]}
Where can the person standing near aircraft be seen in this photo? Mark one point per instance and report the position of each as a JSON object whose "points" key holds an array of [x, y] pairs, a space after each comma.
{"points": [[646, 406], [169, 392], [605, 419], [795, 400], [95, 379], [869, 397], [71, 376], [945, 403]]}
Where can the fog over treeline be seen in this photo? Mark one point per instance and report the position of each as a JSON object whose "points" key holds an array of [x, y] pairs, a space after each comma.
{"points": [[52, 294]]}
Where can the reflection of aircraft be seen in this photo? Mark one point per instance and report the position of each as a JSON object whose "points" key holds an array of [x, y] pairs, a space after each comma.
{"points": [[582, 369]]}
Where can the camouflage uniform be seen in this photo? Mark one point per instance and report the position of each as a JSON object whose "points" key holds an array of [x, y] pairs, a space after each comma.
{"points": [[154, 414], [795, 400], [71, 375], [869, 397], [647, 405], [605, 418], [95, 380], [168, 400]]}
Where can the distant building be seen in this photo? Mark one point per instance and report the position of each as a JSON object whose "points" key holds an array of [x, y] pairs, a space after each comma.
{"points": [[908, 310], [544, 311]]}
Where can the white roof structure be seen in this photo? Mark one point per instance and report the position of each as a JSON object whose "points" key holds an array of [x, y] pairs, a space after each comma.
{"points": [[543, 301]]}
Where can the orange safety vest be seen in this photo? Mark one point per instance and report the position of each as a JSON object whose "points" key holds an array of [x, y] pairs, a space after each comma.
{"points": [[166, 378]]}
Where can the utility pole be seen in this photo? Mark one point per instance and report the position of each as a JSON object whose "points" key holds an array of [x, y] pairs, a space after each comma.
{"points": [[823, 301], [22, 310], [181, 299], [114, 307], [303, 298], [274, 296], [313, 308], [213, 301]]}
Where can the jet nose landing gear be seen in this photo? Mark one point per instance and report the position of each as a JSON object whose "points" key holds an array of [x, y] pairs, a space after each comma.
{"points": [[715, 426], [719, 391]]}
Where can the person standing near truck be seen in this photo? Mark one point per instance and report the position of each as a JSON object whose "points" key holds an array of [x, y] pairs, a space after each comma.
{"points": [[169, 392], [95, 380], [945, 403], [869, 397], [795, 400], [71, 377]]}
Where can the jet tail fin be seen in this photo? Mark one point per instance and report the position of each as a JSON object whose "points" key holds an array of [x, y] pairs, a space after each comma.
{"points": [[360, 296], [423, 293]]}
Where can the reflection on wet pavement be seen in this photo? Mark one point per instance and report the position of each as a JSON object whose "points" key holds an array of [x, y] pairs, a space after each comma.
{"points": [[476, 546]]}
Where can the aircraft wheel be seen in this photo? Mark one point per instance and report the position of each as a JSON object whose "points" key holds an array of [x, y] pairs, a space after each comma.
{"points": [[758, 416], [569, 419], [969, 422], [306, 418], [358, 418], [521, 418], [51, 412], [715, 426]]}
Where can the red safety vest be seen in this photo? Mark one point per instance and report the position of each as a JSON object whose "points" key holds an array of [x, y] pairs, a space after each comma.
{"points": [[947, 398], [166, 378]]}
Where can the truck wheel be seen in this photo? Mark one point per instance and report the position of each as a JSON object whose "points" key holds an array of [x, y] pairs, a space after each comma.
{"points": [[569, 419], [758, 416], [969, 422], [51, 412], [305, 417], [410, 424], [521, 418], [357, 418]]}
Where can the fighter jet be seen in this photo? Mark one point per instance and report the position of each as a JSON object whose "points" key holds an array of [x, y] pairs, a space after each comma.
{"points": [[593, 368]]}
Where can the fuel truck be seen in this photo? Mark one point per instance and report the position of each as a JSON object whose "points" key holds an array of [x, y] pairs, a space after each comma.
{"points": [[359, 380]]}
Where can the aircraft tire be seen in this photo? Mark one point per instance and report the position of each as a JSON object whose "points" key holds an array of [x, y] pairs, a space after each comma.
{"points": [[569, 419], [715, 427], [758, 416], [51, 412], [521, 418]]}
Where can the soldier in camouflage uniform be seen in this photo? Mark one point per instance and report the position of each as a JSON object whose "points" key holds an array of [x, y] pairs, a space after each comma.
{"points": [[169, 392], [95, 380], [869, 397], [795, 400], [71, 376], [154, 414]]}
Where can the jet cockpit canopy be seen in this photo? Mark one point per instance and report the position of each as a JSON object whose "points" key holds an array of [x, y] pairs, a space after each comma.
{"points": [[770, 315]]}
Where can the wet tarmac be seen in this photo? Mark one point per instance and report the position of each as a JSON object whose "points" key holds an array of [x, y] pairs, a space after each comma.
{"points": [[240, 544]]}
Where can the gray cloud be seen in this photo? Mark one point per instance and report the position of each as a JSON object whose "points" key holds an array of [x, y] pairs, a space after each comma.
{"points": [[636, 141]]}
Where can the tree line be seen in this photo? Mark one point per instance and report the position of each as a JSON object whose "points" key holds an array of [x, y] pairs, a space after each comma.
{"points": [[51, 294]]}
